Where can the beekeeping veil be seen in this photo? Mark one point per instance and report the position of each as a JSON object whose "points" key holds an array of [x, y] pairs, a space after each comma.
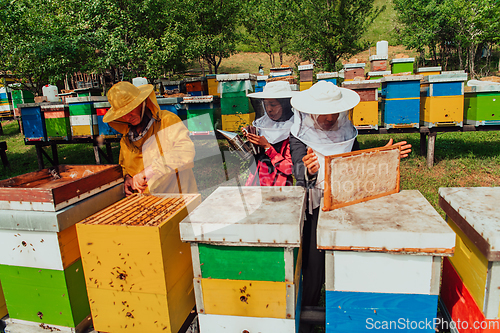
{"points": [[273, 111]]}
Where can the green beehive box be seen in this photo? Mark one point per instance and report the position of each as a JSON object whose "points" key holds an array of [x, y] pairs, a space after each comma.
{"points": [[58, 128], [81, 109], [402, 65], [233, 103], [45, 295], [200, 120], [482, 105], [22, 97]]}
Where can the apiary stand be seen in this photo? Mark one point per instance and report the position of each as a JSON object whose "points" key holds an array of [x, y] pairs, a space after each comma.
{"points": [[383, 263], [471, 278], [246, 250]]}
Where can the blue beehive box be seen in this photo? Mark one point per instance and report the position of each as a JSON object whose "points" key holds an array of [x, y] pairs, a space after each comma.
{"points": [[33, 122], [173, 104], [328, 76], [104, 129], [261, 83], [400, 107], [445, 84]]}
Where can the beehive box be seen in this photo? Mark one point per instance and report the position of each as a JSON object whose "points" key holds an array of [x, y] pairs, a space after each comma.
{"points": [[306, 73], [353, 70], [233, 103], [382, 262], [365, 114], [33, 122], [5, 106], [200, 114], [305, 85], [173, 104], [22, 97], [233, 122], [378, 63], [105, 130], [83, 117], [429, 70], [401, 101], [377, 76], [55, 188], [442, 100], [212, 85], [196, 86], [56, 121], [246, 264], [40, 265], [329, 76], [362, 175], [261, 82], [280, 71], [402, 65], [482, 105], [471, 278], [138, 273]]}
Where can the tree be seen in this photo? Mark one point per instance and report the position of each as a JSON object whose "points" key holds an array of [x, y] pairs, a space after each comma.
{"points": [[270, 24], [211, 29], [331, 29]]}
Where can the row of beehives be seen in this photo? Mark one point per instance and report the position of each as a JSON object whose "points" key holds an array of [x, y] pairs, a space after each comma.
{"points": [[243, 267], [432, 100]]}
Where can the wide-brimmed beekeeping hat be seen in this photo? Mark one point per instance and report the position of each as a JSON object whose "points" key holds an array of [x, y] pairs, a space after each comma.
{"points": [[124, 97]]}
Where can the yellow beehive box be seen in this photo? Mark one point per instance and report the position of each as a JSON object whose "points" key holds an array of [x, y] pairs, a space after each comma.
{"points": [[233, 122], [442, 110], [212, 85], [365, 114], [3, 306], [305, 85], [137, 271]]}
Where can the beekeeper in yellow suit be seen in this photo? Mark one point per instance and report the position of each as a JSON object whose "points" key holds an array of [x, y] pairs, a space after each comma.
{"points": [[156, 153]]}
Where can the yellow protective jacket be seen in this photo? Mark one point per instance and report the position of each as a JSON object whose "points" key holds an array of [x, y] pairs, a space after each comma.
{"points": [[166, 147]]}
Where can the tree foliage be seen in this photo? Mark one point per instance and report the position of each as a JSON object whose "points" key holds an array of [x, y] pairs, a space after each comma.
{"points": [[449, 29], [328, 30]]}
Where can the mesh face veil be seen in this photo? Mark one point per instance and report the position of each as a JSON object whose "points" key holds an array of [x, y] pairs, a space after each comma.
{"points": [[274, 118]]}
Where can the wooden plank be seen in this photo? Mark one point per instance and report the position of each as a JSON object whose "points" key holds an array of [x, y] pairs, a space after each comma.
{"points": [[329, 270], [470, 264], [240, 216], [35, 249], [359, 176], [365, 312], [460, 304], [243, 262], [180, 300], [42, 295], [195, 258], [491, 302], [22, 326], [244, 298], [230, 324], [431, 143], [436, 275], [382, 273], [68, 243], [130, 312], [404, 222], [474, 211]]}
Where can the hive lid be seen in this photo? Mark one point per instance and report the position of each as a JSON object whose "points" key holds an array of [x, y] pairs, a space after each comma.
{"points": [[250, 215], [51, 106], [475, 211], [485, 88], [359, 65], [330, 75], [54, 188], [169, 100], [198, 99], [402, 60], [402, 78], [429, 69], [84, 99], [306, 67], [381, 73], [403, 222], [236, 77], [171, 83], [362, 84], [62, 219], [262, 77], [195, 79], [378, 57], [102, 105], [449, 77]]}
